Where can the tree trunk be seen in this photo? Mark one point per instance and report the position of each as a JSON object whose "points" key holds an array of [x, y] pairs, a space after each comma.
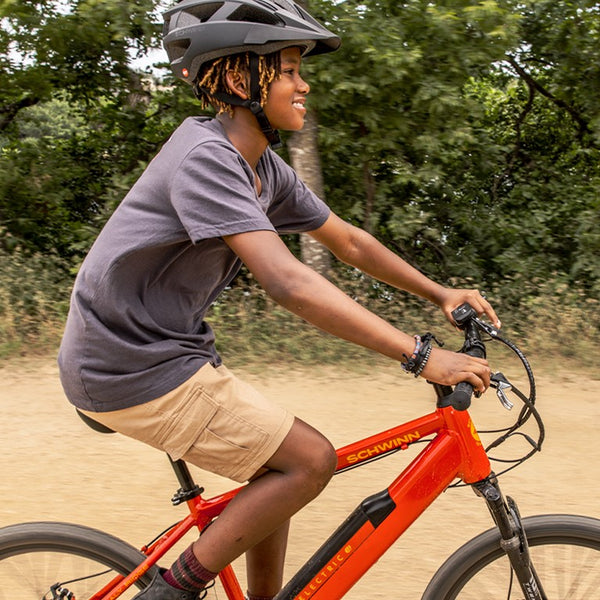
{"points": [[304, 155]]}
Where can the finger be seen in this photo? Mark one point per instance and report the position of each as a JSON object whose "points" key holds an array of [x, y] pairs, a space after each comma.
{"points": [[477, 382], [487, 310], [480, 374]]}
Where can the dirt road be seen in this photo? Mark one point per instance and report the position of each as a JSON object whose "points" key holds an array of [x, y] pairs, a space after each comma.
{"points": [[55, 468]]}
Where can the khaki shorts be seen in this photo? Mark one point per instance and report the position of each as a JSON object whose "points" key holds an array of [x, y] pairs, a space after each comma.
{"points": [[214, 421]]}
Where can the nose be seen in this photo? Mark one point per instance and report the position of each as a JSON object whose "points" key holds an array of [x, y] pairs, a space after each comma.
{"points": [[302, 86]]}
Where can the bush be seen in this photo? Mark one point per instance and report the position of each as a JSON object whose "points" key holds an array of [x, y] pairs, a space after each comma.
{"points": [[34, 295], [547, 318]]}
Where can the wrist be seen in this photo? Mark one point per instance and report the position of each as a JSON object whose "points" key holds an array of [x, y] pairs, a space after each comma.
{"points": [[438, 294], [416, 362]]}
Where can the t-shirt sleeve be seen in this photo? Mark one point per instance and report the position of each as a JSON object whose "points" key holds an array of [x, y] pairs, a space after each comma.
{"points": [[213, 194], [295, 208]]}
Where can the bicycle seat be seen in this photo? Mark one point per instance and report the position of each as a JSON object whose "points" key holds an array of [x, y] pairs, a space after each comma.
{"points": [[93, 423]]}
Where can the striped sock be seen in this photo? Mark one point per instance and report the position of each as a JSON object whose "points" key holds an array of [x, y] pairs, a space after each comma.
{"points": [[186, 573]]}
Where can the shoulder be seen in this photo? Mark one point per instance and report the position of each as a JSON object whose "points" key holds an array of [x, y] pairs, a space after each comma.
{"points": [[199, 145], [200, 133]]}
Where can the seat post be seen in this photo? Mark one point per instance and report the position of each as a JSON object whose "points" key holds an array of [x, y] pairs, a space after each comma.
{"points": [[188, 489]]}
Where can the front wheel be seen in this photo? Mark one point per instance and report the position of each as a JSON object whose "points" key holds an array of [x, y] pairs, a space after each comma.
{"points": [[564, 549], [52, 560]]}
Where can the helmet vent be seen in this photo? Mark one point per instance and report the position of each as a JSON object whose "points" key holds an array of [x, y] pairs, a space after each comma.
{"points": [[177, 48], [254, 14], [289, 6], [200, 12]]}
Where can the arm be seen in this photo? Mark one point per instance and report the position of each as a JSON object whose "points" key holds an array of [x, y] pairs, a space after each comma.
{"points": [[358, 248], [304, 292]]}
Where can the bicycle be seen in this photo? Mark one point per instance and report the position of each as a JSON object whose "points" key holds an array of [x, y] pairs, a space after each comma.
{"points": [[536, 558]]}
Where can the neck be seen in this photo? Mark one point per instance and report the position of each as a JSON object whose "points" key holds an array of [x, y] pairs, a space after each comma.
{"points": [[244, 133]]}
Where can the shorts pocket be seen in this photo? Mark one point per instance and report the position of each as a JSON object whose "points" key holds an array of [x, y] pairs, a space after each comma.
{"points": [[187, 419], [229, 446]]}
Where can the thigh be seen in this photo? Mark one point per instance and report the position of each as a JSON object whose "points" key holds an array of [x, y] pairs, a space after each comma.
{"points": [[214, 420]]}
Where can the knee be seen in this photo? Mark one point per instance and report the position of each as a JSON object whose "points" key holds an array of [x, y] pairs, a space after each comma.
{"points": [[319, 466], [307, 458]]}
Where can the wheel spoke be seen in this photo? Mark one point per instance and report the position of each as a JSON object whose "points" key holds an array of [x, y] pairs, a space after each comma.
{"points": [[564, 550]]}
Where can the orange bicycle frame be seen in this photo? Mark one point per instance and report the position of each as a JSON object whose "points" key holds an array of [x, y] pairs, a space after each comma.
{"points": [[455, 451], [379, 520]]}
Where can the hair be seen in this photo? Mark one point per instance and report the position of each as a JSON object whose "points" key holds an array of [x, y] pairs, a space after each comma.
{"points": [[212, 78]]}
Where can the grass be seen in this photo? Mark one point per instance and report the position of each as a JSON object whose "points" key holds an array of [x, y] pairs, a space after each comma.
{"points": [[551, 319]]}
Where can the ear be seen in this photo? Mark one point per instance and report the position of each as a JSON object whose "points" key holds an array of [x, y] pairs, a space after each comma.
{"points": [[237, 83]]}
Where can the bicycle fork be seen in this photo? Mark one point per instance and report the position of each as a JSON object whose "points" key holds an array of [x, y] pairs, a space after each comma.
{"points": [[513, 537]]}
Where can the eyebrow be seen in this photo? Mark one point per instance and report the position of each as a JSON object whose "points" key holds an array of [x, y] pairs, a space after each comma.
{"points": [[291, 61]]}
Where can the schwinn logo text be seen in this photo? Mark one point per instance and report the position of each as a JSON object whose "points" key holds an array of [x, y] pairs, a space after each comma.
{"points": [[326, 572], [399, 442]]}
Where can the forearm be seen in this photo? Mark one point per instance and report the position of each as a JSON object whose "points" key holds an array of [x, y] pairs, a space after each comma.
{"points": [[373, 258], [312, 297], [322, 304]]}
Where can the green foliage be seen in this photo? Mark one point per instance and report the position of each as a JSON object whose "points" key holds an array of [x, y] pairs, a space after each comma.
{"points": [[465, 135], [50, 179], [79, 46], [33, 301]]}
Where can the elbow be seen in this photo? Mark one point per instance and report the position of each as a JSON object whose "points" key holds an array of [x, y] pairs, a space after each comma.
{"points": [[292, 291], [354, 247]]}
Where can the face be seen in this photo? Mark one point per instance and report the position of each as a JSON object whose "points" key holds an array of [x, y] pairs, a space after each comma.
{"points": [[285, 102]]}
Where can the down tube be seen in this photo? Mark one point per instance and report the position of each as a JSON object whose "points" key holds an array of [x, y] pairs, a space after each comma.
{"points": [[376, 524]]}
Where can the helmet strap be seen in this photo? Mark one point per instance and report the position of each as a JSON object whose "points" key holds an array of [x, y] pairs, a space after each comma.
{"points": [[256, 107], [253, 103]]}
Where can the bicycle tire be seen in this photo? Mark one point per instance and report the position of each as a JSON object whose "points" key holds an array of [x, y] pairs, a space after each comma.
{"points": [[35, 556], [565, 551]]}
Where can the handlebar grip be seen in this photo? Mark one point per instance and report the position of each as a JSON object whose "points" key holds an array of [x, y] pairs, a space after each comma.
{"points": [[460, 398]]}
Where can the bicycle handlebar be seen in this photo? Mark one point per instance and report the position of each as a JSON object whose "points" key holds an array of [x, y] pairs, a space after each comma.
{"points": [[466, 319], [459, 398]]}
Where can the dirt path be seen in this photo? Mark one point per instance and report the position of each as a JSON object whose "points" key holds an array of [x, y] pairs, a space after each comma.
{"points": [[54, 468]]}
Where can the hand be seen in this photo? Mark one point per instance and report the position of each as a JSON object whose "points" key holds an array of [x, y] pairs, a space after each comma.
{"points": [[450, 368], [453, 298]]}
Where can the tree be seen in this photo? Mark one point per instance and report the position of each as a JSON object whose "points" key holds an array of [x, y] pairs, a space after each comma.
{"points": [[81, 49], [395, 119], [464, 134], [77, 121], [304, 154], [303, 147]]}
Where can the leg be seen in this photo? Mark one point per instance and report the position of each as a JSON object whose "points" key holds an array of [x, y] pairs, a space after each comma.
{"points": [[264, 563], [294, 470], [297, 472]]}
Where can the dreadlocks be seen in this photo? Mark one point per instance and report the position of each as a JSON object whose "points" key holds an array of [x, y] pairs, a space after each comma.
{"points": [[212, 78]]}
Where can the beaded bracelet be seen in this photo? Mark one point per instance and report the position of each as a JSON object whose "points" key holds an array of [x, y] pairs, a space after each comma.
{"points": [[424, 360], [418, 359], [411, 363]]}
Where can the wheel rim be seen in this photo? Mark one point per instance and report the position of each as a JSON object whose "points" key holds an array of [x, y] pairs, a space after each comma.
{"points": [[567, 571], [31, 575]]}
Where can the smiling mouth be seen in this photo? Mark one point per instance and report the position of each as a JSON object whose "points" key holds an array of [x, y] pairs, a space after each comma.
{"points": [[299, 105]]}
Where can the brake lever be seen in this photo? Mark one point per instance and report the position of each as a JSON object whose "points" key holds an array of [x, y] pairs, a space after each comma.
{"points": [[499, 382], [489, 329]]}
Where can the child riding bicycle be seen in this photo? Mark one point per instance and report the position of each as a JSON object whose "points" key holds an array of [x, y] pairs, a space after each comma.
{"points": [[137, 354]]}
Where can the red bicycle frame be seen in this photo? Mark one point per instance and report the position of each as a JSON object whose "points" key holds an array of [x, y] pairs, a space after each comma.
{"points": [[454, 451]]}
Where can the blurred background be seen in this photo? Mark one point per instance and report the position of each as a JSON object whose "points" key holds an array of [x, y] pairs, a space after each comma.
{"points": [[464, 135]]}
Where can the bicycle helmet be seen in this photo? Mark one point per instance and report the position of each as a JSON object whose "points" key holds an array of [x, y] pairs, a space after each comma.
{"points": [[197, 31]]}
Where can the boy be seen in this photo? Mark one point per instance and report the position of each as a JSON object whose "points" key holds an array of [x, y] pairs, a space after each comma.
{"points": [[137, 354]]}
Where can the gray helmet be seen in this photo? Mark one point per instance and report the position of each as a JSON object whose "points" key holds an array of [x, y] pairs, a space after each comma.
{"points": [[196, 31]]}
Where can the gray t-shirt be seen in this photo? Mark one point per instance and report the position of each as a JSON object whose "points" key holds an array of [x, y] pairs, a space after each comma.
{"points": [[136, 328]]}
